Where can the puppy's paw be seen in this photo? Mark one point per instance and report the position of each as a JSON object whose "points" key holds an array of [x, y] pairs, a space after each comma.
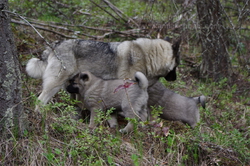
{"points": [[123, 131]]}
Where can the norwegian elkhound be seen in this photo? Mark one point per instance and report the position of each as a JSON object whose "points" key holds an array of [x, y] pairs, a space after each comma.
{"points": [[126, 96], [153, 57], [175, 106]]}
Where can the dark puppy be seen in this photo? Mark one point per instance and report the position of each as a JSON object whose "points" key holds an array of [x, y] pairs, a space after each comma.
{"points": [[175, 106]]}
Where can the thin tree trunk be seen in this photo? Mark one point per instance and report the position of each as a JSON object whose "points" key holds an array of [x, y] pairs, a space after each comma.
{"points": [[215, 59], [11, 109]]}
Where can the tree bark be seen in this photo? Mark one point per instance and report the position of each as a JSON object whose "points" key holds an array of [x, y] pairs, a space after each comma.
{"points": [[215, 59], [11, 109]]}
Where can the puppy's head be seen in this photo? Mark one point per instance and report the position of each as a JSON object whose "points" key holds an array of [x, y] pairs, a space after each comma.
{"points": [[78, 82], [73, 86]]}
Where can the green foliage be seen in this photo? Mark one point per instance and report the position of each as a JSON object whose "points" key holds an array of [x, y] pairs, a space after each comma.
{"points": [[135, 159]]}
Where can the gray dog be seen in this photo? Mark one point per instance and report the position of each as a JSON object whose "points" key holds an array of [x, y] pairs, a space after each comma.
{"points": [[176, 107], [116, 60], [98, 94]]}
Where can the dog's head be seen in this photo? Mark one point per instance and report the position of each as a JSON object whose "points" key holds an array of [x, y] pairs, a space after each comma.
{"points": [[78, 82], [171, 76]]}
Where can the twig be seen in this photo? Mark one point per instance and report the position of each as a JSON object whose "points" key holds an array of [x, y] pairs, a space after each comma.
{"points": [[53, 26], [42, 28], [13, 148], [131, 32], [119, 12], [104, 10], [130, 101]]}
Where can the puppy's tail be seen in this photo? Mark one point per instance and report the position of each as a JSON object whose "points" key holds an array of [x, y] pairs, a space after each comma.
{"points": [[142, 80], [36, 67], [200, 99]]}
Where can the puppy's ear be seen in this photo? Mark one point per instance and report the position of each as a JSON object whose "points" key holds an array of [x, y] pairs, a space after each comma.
{"points": [[84, 77], [171, 76], [72, 80]]}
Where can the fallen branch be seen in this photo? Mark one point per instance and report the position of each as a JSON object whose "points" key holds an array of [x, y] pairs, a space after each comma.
{"points": [[42, 28]]}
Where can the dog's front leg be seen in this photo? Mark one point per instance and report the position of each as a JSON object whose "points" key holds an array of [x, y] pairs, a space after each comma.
{"points": [[93, 112]]}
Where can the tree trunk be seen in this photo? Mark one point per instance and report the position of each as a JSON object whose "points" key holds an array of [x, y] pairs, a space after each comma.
{"points": [[215, 59], [11, 109]]}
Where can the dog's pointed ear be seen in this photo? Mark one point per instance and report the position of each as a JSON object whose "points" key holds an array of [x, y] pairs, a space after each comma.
{"points": [[171, 76], [176, 47], [167, 39]]}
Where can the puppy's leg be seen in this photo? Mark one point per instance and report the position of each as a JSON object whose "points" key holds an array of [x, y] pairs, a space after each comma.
{"points": [[93, 113], [113, 121], [143, 115], [129, 127], [128, 113]]}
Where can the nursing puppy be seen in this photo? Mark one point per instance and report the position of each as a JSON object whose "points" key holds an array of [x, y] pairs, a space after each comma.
{"points": [[98, 94], [115, 60], [175, 106]]}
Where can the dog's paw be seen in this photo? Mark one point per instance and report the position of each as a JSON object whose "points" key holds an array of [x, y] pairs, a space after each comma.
{"points": [[123, 131]]}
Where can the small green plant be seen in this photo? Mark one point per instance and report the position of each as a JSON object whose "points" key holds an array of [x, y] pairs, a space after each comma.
{"points": [[135, 159], [103, 116], [156, 111]]}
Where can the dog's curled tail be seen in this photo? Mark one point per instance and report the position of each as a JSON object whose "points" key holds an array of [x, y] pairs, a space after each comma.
{"points": [[201, 99], [141, 79], [36, 67]]}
